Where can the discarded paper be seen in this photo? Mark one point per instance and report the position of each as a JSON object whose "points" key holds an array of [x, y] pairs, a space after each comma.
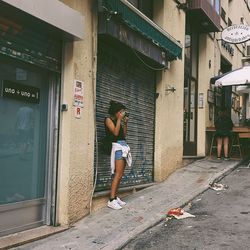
{"points": [[218, 186], [184, 216], [178, 213]]}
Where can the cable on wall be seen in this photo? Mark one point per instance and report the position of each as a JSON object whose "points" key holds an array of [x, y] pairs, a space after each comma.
{"points": [[146, 64]]}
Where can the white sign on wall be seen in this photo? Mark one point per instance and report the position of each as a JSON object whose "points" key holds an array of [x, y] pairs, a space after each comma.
{"points": [[236, 34], [201, 100], [78, 93], [78, 112]]}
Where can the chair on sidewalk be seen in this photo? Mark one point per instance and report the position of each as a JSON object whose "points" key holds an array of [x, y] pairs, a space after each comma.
{"points": [[235, 145], [213, 145]]}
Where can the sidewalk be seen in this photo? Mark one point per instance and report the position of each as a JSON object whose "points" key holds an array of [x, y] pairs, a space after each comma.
{"points": [[110, 229]]}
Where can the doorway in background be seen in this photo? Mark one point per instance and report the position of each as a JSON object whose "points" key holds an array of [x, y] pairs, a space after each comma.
{"points": [[190, 93]]}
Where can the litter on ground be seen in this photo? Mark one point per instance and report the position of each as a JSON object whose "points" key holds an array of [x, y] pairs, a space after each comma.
{"points": [[178, 213], [218, 186]]}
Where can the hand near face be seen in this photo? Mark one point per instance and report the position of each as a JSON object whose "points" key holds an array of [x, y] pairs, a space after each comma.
{"points": [[120, 115]]}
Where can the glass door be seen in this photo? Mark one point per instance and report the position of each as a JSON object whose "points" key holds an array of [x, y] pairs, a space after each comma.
{"points": [[190, 93], [190, 118], [23, 144]]}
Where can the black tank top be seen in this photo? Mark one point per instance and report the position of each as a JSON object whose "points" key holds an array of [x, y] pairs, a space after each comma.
{"points": [[120, 136]]}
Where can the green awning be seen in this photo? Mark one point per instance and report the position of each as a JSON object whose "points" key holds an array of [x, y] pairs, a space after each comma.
{"points": [[152, 32]]}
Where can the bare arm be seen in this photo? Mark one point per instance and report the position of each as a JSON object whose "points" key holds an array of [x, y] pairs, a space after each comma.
{"points": [[112, 128]]}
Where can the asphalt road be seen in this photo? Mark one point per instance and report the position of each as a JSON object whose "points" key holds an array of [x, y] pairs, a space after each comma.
{"points": [[222, 221]]}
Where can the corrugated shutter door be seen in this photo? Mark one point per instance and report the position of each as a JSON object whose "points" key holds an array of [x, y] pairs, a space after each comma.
{"points": [[123, 78]]}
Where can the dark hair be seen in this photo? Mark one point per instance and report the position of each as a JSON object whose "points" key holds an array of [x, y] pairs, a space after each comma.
{"points": [[115, 107]]}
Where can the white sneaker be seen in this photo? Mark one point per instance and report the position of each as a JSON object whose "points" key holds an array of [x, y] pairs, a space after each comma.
{"points": [[120, 202], [114, 204]]}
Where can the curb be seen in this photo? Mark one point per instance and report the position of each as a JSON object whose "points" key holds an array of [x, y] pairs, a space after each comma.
{"points": [[227, 172]]}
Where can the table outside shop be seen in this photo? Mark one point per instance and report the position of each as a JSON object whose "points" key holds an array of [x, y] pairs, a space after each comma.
{"points": [[243, 132]]}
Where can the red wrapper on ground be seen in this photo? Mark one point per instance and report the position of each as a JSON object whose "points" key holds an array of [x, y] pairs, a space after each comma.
{"points": [[175, 211]]}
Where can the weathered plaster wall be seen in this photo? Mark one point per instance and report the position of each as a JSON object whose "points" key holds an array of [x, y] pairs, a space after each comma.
{"points": [[207, 68], [77, 135], [169, 106]]}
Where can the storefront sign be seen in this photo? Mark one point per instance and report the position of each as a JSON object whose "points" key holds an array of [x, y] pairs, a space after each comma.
{"points": [[78, 93], [236, 34], [21, 92], [228, 47]]}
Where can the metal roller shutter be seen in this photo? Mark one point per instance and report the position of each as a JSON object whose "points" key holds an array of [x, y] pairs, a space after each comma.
{"points": [[121, 77]]}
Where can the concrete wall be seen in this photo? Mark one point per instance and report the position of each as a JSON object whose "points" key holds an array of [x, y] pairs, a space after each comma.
{"points": [[207, 68], [169, 106], [75, 180]]}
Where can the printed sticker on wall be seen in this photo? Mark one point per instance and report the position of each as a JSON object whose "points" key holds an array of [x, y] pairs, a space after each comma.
{"points": [[78, 93], [201, 100], [78, 111]]}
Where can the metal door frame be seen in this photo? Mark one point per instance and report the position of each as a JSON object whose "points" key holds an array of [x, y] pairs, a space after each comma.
{"points": [[190, 148], [52, 149]]}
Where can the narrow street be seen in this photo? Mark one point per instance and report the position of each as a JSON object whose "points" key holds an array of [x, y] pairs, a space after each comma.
{"points": [[221, 222]]}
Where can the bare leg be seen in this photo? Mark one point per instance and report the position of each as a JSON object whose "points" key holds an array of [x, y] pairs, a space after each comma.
{"points": [[225, 145], [219, 146], [119, 171]]}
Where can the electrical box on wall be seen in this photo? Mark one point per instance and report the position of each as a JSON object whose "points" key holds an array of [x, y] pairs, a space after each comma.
{"points": [[64, 107]]}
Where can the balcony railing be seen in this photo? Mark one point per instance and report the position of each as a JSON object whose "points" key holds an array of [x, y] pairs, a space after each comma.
{"points": [[206, 14]]}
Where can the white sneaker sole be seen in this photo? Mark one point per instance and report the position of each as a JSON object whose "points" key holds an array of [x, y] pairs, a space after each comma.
{"points": [[115, 208], [122, 204]]}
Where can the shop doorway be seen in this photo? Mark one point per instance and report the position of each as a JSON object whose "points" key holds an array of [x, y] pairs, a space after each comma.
{"points": [[190, 93], [25, 131], [190, 117]]}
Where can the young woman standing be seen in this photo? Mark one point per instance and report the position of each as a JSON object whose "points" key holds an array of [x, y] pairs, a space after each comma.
{"points": [[224, 126], [116, 127]]}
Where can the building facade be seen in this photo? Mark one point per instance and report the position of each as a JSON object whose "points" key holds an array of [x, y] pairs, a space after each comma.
{"points": [[207, 55], [227, 57], [58, 74]]}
